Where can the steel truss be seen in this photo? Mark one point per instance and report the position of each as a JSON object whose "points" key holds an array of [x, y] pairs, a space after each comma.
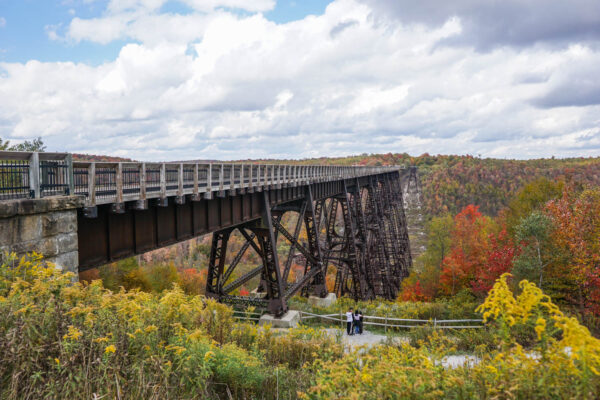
{"points": [[361, 232]]}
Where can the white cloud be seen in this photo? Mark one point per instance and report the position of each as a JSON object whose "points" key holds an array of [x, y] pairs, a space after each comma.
{"points": [[2, 22], [217, 85]]}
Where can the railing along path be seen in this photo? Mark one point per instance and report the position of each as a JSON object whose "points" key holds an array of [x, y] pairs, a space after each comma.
{"points": [[385, 322], [35, 175]]}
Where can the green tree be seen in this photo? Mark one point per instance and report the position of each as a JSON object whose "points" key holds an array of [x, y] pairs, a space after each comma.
{"points": [[438, 239], [534, 233], [428, 266], [531, 197], [34, 145], [124, 273], [161, 276]]}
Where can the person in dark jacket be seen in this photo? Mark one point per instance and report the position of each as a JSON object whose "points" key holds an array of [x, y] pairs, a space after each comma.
{"points": [[356, 323], [360, 322]]}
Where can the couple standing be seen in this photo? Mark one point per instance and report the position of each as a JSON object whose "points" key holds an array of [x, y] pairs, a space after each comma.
{"points": [[354, 322]]}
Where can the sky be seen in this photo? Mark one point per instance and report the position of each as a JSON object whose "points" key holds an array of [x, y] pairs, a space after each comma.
{"points": [[237, 79]]}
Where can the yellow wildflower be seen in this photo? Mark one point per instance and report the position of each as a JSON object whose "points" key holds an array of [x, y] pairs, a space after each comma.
{"points": [[540, 327], [110, 349], [72, 333], [209, 356], [101, 340], [367, 378], [177, 349]]}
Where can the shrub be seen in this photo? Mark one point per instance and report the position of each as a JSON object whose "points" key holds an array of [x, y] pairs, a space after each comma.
{"points": [[563, 363], [60, 339]]}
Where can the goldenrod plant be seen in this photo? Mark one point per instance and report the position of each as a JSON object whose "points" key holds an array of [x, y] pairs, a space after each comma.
{"points": [[65, 340], [563, 363]]}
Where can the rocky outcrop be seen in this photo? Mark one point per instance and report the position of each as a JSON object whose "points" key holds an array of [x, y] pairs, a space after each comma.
{"points": [[412, 195]]}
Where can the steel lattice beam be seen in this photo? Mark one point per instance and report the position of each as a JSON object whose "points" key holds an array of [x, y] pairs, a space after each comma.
{"points": [[361, 230]]}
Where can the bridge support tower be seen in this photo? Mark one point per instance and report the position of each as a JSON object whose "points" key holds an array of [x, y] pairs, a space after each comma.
{"points": [[360, 233]]}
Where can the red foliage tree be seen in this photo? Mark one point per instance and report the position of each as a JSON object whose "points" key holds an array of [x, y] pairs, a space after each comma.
{"points": [[468, 254], [499, 259]]}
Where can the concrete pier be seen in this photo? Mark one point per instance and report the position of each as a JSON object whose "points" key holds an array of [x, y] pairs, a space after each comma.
{"points": [[47, 226], [288, 320]]}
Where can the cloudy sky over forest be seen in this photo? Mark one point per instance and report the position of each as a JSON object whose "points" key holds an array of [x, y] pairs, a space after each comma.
{"points": [[231, 79]]}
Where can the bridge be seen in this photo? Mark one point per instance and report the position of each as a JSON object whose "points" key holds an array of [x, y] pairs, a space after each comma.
{"points": [[353, 218]]}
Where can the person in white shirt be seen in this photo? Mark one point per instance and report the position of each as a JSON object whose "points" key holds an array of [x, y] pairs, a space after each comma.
{"points": [[349, 321]]}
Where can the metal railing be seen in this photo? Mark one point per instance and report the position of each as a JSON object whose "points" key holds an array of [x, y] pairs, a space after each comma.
{"points": [[382, 322], [102, 182], [34, 175], [389, 322]]}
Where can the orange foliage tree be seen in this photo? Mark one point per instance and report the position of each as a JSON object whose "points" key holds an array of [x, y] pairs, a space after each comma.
{"points": [[193, 281], [468, 254], [577, 221]]}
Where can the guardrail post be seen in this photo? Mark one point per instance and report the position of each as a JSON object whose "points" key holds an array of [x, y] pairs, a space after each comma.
{"points": [[163, 181], [143, 181], [180, 181], [92, 184], [272, 175], [221, 177], [257, 186], [251, 178], [34, 175], [279, 176], [242, 177], [119, 183], [195, 192], [208, 190], [69, 161]]}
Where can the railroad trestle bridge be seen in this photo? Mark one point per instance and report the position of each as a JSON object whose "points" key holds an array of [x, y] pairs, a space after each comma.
{"points": [[353, 218]]}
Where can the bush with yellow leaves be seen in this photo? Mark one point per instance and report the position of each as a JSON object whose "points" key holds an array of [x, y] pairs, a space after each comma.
{"points": [[563, 361], [65, 340]]}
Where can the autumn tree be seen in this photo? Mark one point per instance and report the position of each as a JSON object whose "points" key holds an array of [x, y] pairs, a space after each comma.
{"points": [[577, 223], [499, 259], [468, 253]]}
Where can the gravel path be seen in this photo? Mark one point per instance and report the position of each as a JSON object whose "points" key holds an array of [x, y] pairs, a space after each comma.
{"points": [[370, 339], [367, 338]]}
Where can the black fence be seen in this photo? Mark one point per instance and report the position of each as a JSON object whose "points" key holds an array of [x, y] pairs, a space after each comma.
{"points": [[54, 178], [14, 179], [29, 175]]}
